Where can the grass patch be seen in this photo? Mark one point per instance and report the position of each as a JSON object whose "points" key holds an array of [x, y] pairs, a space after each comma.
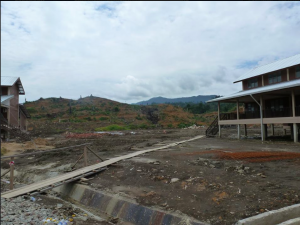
{"points": [[3, 151], [112, 127]]}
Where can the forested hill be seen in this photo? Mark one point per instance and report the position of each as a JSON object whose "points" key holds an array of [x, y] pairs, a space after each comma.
{"points": [[162, 100]]}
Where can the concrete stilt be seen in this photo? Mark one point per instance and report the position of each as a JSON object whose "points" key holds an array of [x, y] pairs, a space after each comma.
{"points": [[219, 130], [263, 133], [272, 129], [266, 130], [295, 126], [239, 132], [292, 131], [245, 129]]}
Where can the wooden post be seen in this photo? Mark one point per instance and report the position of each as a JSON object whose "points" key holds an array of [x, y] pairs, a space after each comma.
{"points": [[77, 160], [11, 184], [263, 128], [85, 156], [293, 104], [95, 154], [219, 109], [295, 126], [238, 117]]}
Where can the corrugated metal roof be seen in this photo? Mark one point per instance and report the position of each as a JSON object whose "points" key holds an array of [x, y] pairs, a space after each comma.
{"points": [[280, 64], [6, 97], [274, 87], [8, 81]]}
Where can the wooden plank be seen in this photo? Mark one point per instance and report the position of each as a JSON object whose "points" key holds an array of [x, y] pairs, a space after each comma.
{"points": [[43, 152], [42, 184]]}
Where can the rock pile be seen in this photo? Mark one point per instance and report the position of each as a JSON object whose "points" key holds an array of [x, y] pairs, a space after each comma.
{"points": [[194, 127], [22, 211]]}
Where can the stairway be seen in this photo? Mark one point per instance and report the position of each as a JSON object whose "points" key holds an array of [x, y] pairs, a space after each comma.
{"points": [[213, 128], [13, 130]]}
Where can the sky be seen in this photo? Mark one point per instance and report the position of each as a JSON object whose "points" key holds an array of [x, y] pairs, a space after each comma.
{"points": [[133, 51]]}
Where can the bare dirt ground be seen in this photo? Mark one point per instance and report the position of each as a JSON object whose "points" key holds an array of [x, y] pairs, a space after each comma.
{"points": [[215, 180]]}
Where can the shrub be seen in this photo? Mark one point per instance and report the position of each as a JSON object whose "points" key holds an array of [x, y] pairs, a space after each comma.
{"points": [[31, 110], [143, 126], [138, 117], [182, 125], [170, 125], [103, 118], [132, 126], [116, 109], [3, 150]]}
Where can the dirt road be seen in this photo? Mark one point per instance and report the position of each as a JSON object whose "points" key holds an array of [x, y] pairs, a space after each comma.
{"points": [[214, 180]]}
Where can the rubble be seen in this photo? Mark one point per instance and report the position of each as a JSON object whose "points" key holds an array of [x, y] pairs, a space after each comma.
{"points": [[194, 126], [28, 213]]}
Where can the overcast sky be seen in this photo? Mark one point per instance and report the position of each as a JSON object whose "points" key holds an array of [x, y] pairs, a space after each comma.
{"points": [[132, 51]]}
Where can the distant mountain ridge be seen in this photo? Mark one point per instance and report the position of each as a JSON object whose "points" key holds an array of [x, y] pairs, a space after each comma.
{"points": [[162, 100]]}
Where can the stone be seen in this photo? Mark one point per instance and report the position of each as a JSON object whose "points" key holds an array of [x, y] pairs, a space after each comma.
{"points": [[173, 180]]}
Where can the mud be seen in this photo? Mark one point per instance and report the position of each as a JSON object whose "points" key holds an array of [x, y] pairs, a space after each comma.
{"points": [[219, 181]]}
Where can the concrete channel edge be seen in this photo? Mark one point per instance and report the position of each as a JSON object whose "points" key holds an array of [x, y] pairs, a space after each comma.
{"points": [[273, 217], [124, 209]]}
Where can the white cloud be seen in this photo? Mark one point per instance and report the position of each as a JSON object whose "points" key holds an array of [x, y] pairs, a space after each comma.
{"points": [[131, 51]]}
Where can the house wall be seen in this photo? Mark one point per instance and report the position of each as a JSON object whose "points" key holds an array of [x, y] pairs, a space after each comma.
{"points": [[245, 83], [4, 112], [283, 77], [22, 121], [292, 73], [14, 105], [4, 90], [292, 76]]}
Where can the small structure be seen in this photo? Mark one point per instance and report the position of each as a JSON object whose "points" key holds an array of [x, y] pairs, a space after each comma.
{"points": [[13, 115], [271, 94]]}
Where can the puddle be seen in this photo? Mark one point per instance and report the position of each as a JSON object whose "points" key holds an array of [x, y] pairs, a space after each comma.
{"points": [[110, 132], [142, 160], [42, 167]]}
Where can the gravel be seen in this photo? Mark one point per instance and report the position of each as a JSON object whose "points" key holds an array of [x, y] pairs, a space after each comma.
{"points": [[22, 210]]}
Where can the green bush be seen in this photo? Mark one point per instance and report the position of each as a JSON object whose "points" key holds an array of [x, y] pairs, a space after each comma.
{"points": [[103, 118], [143, 126], [132, 127], [3, 150], [182, 125], [31, 110], [138, 117], [170, 125], [112, 127], [116, 109]]}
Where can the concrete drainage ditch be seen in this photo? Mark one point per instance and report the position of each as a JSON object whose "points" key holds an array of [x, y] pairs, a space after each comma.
{"points": [[285, 216], [114, 206], [122, 208]]}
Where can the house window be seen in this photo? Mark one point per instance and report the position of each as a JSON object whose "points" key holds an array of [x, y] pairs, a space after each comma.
{"points": [[250, 107], [253, 83], [275, 77], [298, 72]]}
